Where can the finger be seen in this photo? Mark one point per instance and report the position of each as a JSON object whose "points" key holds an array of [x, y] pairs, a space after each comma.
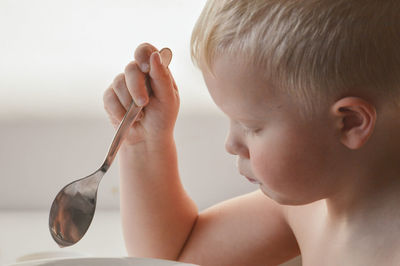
{"points": [[121, 90], [142, 56], [173, 81], [136, 83], [166, 56], [176, 91], [112, 105], [160, 78], [140, 115]]}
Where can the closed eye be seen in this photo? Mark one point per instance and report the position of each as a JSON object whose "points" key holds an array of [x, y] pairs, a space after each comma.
{"points": [[251, 130]]}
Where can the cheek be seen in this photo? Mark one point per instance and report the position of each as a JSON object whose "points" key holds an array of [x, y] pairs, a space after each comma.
{"points": [[290, 165]]}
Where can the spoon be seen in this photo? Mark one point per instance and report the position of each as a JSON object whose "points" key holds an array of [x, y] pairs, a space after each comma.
{"points": [[73, 208]]}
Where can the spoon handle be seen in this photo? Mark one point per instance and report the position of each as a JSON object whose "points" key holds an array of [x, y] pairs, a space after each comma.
{"points": [[130, 117]]}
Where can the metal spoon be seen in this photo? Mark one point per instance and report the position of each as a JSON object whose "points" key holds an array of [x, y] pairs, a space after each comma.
{"points": [[73, 208]]}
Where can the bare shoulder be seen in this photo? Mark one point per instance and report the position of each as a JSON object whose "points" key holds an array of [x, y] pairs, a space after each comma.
{"points": [[247, 230]]}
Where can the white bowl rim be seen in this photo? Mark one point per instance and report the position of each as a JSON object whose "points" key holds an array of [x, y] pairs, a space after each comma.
{"points": [[88, 259]]}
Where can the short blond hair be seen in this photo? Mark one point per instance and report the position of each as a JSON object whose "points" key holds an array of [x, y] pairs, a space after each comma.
{"points": [[310, 48]]}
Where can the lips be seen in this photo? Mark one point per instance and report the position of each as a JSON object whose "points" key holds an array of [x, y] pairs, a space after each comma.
{"points": [[241, 168], [254, 181]]}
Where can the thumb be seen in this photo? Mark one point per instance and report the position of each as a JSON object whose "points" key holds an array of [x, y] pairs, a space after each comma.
{"points": [[160, 78]]}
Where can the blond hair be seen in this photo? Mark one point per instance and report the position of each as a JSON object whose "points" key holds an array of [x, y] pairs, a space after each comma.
{"points": [[310, 48]]}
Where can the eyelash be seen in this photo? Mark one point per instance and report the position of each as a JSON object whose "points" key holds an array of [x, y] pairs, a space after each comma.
{"points": [[252, 131]]}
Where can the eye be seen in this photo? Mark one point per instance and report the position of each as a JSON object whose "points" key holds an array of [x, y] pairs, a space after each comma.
{"points": [[252, 130]]}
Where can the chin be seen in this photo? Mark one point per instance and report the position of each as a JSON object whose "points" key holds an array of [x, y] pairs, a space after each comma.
{"points": [[283, 199]]}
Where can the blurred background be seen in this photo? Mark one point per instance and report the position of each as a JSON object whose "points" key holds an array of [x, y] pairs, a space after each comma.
{"points": [[56, 60]]}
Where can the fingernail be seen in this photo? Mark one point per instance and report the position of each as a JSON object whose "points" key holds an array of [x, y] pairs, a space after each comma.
{"points": [[141, 101], [145, 67]]}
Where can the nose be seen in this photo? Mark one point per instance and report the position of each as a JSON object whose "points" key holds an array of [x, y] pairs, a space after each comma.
{"points": [[235, 146]]}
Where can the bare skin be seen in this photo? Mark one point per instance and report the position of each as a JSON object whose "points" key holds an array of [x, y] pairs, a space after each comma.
{"points": [[329, 184]]}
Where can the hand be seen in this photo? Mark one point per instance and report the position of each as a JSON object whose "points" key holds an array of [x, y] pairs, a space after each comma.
{"points": [[158, 117]]}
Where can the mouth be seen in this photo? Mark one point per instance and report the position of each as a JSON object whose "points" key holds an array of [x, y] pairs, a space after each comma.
{"points": [[254, 181], [244, 173]]}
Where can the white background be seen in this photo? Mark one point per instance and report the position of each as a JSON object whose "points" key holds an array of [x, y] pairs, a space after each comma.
{"points": [[59, 56]]}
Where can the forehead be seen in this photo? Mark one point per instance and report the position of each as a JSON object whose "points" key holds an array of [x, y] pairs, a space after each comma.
{"points": [[240, 90]]}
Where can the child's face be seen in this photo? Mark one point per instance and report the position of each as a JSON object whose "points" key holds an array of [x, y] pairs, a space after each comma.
{"points": [[290, 157]]}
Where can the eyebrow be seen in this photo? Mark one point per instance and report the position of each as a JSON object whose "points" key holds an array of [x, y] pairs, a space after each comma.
{"points": [[247, 121], [260, 117]]}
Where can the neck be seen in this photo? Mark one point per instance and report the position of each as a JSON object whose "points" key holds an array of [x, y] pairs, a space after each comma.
{"points": [[374, 184], [365, 197]]}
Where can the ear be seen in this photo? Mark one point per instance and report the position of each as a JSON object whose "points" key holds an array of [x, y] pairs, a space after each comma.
{"points": [[356, 121]]}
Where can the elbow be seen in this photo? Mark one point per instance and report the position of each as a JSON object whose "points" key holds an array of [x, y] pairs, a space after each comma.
{"points": [[181, 253]]}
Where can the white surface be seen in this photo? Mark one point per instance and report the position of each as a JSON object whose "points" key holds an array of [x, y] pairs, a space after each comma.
{"points": [[23, 233], [105, 262], [49, 255]]}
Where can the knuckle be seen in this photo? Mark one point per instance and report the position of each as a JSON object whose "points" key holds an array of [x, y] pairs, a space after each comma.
{"points": [[119, 81], [144, 45], [131, 67], [108, 99], [108, 93], [143, 52], [144, 49]]}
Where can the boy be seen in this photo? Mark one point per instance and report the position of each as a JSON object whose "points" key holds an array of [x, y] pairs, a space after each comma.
{"points": [[311, 89]]}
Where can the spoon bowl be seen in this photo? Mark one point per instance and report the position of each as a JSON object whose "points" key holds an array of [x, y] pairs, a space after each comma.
{"points": [[73, 209], [74, 206]]}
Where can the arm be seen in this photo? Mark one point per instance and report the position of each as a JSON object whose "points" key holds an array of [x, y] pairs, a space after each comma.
{"points": [[157, 215], [159, 219], [247, 230]]}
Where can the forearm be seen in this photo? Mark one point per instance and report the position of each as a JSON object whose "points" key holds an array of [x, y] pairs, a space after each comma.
{"points": [[157, 214]]}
